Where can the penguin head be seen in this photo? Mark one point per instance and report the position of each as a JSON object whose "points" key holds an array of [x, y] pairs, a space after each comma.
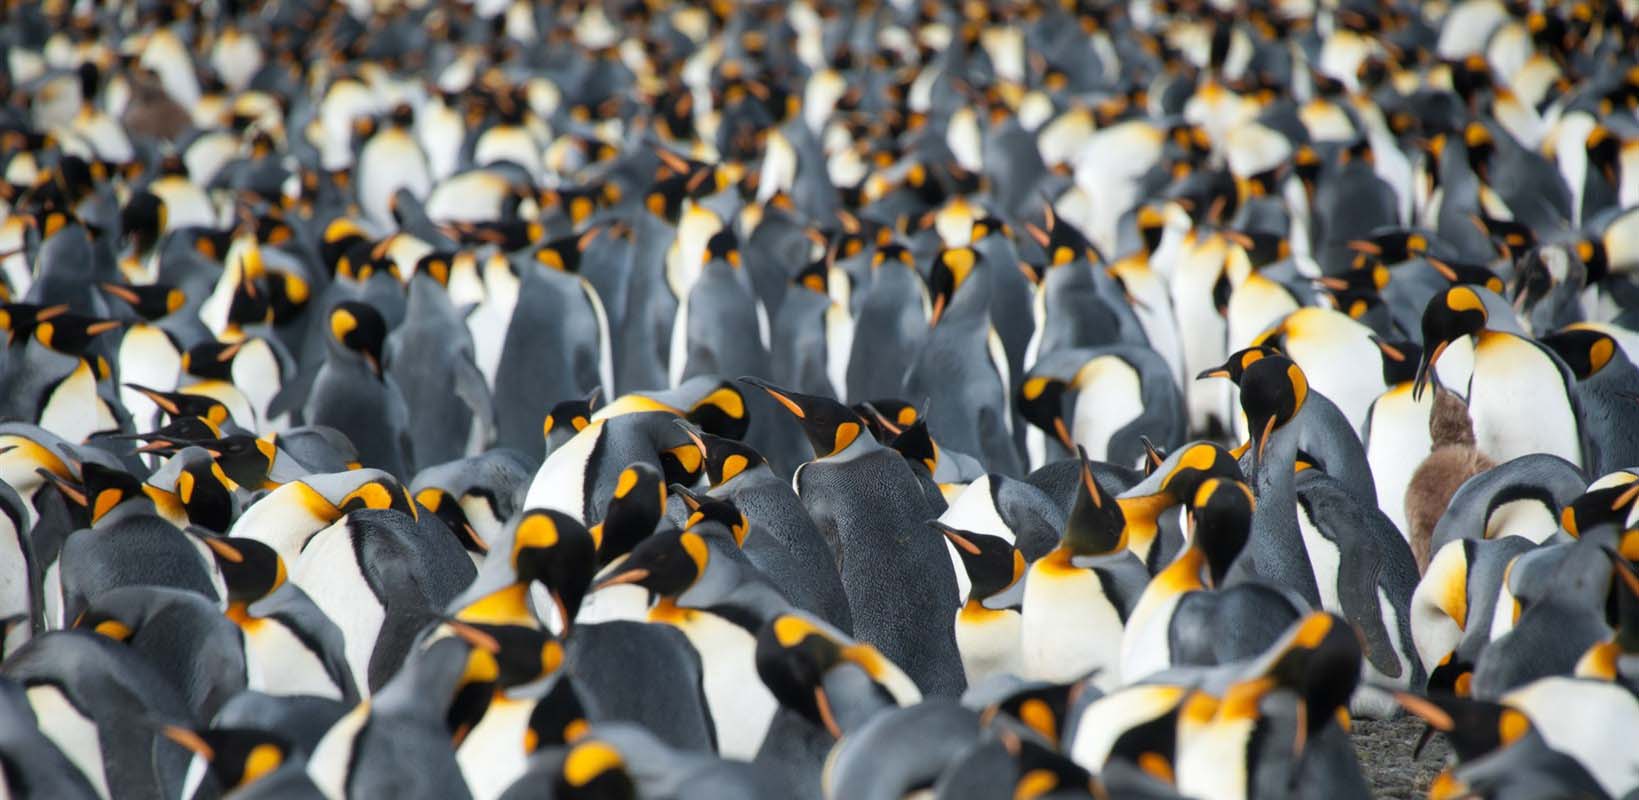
{"points": [[1605, 503], [916, 444], [667, 563], [1060, 241], [993, 564], [564, 255], [566, 419], [1096, 525], [1273, 391], [236, 757], [1319, 659], [179, 433], [887, 419], [1585, 351], [150, 302], [211, 359], [447, 508], [723, 246], [725, 459], [20, 319], [952, 269], [142, 220], [594, 770], [206, 492], [556, 549], [180, 405], [1041, 709], [72, 334], [1221, 515], [1473, 727], [1045, 772], [1457, 273], [1041, 403], [708, 513], [358, 328], [100, 489], [636, 507], [1196, 464], [1449, 316], [247, 460], [1393, 246], [250, 569], [558, 719], [1235, 366], [831, 426], [379, 491], [524, 654], [794, 655], [435, 265]]}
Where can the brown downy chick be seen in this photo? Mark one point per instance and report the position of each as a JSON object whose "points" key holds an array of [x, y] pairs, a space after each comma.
{"points": [[1452, 459]]}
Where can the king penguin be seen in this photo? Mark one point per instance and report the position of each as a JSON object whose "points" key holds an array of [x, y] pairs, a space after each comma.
{"points": [[354, 395], [899, 582], [1077, 597], [963, 366]]}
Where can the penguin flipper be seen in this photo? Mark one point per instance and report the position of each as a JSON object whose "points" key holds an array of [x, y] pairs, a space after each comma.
{"points": [[292, 397], [1358, 580], [290, 605], [474, 392]]}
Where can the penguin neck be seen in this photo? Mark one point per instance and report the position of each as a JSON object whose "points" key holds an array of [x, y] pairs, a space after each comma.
{"points": [[1143, 514], [1275, 531], [239, 612]]}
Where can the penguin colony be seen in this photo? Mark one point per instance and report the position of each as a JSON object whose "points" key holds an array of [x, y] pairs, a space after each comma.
{"points": [[670, 400]]}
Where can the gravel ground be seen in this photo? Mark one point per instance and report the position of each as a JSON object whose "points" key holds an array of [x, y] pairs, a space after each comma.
{"points": [[1385, 754]]}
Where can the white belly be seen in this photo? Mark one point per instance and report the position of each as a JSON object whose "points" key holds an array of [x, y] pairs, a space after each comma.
{"points": [[333, 755], [1109, 399], [276, 662], [71, 731], [741, 706], [492, 756], [1069, 629], [1323, 559], [1518, 403], [1145, 645], [329, 573], [74, 411], [989, 643], [1212, 760], [1398, 443]]}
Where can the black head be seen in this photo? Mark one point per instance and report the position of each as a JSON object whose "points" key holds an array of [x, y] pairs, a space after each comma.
{"points": [[1042, 709], [246, 459], [724, 458], [1062, 243], [143, 219], [1041, 403], [211, 359], [555, 549], [721, 412], [1450, 315], [1197, 464], [1221, 513], [887, 419], [793, 655], [564, 255], [950, 271], [559, 718], [1474, 728], [1606, 506], [1096, 525], [1273, 391], [667, 564], [20, 319], [447, 509], [706, 510], [359, 327], [635, 508], [831, 426], [916, 444], [992, 563], [723, 246], [1236, 364], [594, 770], [1585, 351], [181, 404], [206, 493], [151, 302], [237, 757], [251, 569], [1400, 360], [71, 333]]}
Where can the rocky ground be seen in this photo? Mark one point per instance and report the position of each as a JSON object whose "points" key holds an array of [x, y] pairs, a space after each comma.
{"points": [[1385, 754]]}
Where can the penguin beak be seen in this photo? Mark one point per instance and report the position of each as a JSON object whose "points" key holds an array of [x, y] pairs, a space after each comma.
{"points": [[1063, 433], [956, 538], [1425, 370], [69, 490], [189, 740], [822, 704], [634, 575]]}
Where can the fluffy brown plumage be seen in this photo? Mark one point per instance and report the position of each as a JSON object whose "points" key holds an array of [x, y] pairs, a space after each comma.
{"points": [[151, 113], [1452, 459]]}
